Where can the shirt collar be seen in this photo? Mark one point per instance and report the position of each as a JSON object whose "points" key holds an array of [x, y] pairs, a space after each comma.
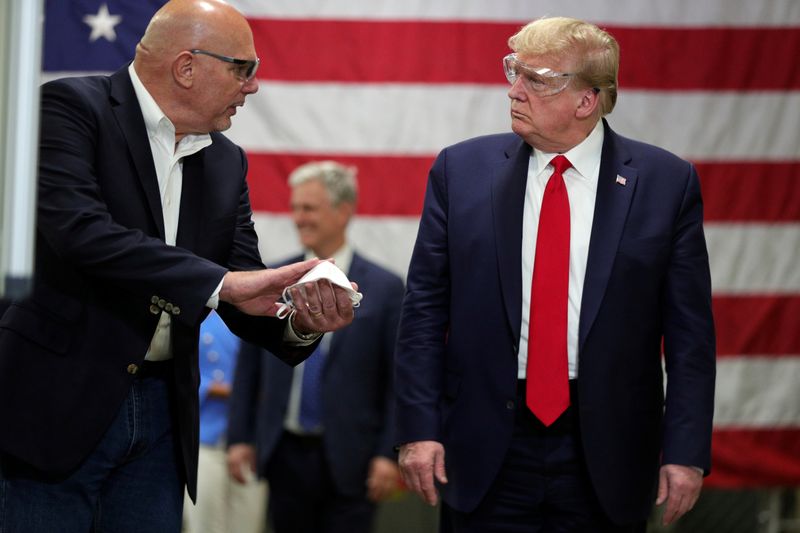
{"points": [[343, 257], [156, 122], [585, 157]]}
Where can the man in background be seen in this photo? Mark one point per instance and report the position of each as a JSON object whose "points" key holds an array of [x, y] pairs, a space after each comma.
{"points": [[321, 434]]}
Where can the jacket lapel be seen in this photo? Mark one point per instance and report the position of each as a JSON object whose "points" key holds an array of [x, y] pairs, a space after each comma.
{"points": [[610, 212], [508, 201], [129, 118]]}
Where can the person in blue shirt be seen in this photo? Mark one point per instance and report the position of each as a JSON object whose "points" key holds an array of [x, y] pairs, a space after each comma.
{"points": [[222, 505]]}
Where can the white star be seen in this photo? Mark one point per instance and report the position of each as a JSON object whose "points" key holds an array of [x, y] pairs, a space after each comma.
{"points": [[102, 24]]}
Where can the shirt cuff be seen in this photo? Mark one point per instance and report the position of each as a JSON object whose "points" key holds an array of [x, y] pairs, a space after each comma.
{"points": [[213, 301], [294, 338]]}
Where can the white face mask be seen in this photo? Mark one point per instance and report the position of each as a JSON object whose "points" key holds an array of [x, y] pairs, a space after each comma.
{"points": [[324, 270]]}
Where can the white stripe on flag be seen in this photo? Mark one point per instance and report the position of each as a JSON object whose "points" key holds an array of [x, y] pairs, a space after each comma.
{"points": [[621, 12], [754, 258], [745, 259], [757, 392], [422, 119]]}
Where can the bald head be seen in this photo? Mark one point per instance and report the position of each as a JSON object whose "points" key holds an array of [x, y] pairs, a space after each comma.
{"points": [[189, 60], [187, 24]]}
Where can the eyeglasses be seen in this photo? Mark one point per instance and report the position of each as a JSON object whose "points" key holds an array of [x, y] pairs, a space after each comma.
{"points": [[245, 68], [539, 80]]}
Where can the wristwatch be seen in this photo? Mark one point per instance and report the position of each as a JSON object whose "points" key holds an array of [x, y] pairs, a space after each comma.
{"points": [[307, 337]]}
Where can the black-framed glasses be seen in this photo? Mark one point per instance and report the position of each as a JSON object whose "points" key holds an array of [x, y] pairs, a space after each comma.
{"points": [[246, 68]]}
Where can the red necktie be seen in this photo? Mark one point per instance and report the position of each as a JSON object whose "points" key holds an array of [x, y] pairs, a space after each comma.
{"points": [[547, 378]]}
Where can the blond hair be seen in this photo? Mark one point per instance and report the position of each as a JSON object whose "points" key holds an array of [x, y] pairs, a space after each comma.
{"points": [[596, 51]]}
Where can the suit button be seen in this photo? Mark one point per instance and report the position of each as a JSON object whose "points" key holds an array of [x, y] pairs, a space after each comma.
{"points": [[176, 310], [154, 300], [154, 309], [162, 302], [510, 405], [132, 369], [168, 308]]}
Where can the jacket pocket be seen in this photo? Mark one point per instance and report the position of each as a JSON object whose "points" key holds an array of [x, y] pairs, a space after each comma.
{"points": [[51, 327]]}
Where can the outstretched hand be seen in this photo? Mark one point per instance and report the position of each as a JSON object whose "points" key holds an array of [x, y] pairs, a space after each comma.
{"points": [[319, 305], [256, 292]]}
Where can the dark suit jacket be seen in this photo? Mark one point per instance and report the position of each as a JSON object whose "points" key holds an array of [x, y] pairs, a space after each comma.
{"points": [[101, 268], [357, 392], [647, 278]]}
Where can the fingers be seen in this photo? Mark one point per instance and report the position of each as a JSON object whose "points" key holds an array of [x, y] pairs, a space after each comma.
{"points": [[235, 471], [680, 487], [438, 467], [672, 510], [379, 488], [663, 487], [321, 306], [381, 479], [291, 273], [241, 457], [419, 463]]}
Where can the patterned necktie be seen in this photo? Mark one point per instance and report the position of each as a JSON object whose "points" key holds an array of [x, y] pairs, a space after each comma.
{"points": [[310, 416], [547, 390]]}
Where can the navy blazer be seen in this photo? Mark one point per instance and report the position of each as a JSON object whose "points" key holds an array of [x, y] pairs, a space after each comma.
{"points": [[357, 391], [647, 278], [102, 269]]}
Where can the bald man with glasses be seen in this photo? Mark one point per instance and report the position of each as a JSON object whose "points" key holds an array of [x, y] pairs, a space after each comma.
{"points": [[144, 225]]}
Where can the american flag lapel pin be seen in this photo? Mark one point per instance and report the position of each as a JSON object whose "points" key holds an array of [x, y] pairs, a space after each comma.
{"points": [[621, 180]]}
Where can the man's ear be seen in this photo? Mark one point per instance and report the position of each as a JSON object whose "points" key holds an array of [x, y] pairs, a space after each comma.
{"points": [[183, 69], [590, 100], [346, 211]]}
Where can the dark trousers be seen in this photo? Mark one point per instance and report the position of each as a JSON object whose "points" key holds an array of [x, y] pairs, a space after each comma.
{"points": [[131, 482], [303, 497], [543, 485]]}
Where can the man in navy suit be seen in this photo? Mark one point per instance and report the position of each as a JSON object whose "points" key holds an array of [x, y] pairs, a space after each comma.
{"points": [[144, 224], [550, 265], [322, 434]]}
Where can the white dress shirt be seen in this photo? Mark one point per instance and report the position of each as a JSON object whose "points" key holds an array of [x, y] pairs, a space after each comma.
{"points": [[168, 161], [581, 181]]}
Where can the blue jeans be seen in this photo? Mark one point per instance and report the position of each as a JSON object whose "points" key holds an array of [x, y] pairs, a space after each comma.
{"points": [[131, 482]]}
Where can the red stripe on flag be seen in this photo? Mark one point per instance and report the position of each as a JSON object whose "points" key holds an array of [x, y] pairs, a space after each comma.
{"points": [[470, 52], [751, 191], [755, 458], [387, 185], [709, 58], [381, 51], [757, 325]]}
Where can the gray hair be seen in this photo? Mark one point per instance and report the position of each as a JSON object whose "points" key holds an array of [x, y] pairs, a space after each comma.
{"points": [[339, 180]]}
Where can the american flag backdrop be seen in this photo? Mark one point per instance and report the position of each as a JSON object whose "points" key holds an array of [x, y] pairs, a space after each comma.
{"points": [[385, 84]]}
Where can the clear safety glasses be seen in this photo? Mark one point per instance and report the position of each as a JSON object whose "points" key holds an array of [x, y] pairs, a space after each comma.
{"points": [[539, 80]]}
